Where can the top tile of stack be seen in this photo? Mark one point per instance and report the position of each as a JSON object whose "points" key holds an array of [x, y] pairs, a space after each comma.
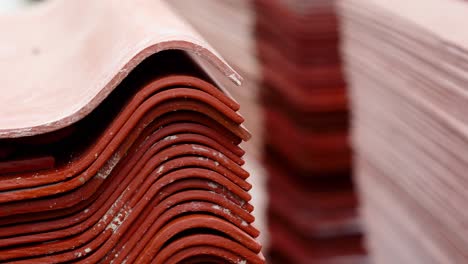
{"points": [[46, 58]]}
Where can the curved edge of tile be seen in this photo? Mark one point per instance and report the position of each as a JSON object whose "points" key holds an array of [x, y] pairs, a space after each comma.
{"points": [[126, 34]]}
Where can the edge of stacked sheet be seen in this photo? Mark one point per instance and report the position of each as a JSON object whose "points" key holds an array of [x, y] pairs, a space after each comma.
{"points": [[406, 63], [132, 158]]}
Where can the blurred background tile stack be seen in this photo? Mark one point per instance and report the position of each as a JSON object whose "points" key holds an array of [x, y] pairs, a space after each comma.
{"points": [[407, 66], [312, 214]]}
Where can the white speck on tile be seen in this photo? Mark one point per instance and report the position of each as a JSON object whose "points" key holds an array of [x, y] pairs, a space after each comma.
{"points": [[170, 138], [235, 79], [213, 185], [108, 167], [194, 147], [161, 168]]}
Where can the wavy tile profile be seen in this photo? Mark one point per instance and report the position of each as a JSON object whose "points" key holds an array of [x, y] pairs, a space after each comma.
{"points": [[64, 57], [116, 146]]}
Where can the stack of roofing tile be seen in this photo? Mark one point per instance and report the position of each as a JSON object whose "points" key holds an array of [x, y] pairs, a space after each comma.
{"points": [[407, 62], [312, 212], [132, 158]]}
